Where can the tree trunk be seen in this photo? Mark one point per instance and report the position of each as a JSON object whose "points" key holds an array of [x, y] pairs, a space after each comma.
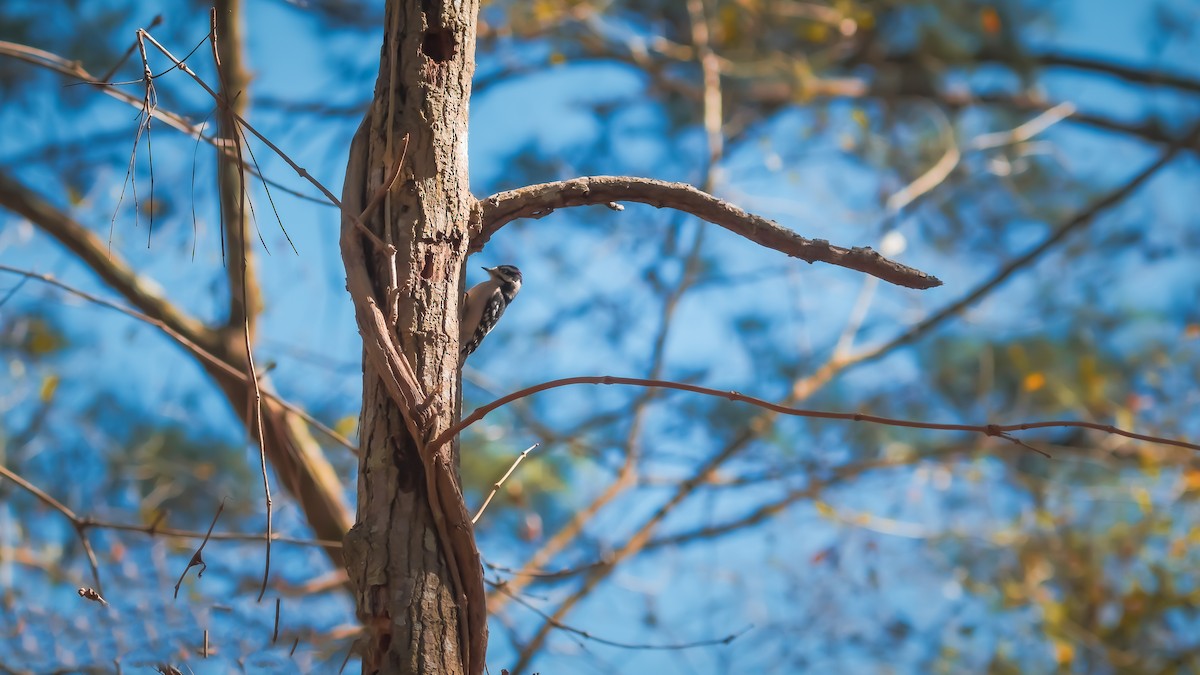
{"points": [[405, 585]]}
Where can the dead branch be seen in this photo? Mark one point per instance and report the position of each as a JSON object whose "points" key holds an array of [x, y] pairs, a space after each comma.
{"points": [[987, 429], [197, 558], [498, 484], [75, 70], [537, 201], [244, 291]]}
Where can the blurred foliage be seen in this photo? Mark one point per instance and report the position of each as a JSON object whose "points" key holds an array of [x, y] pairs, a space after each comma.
{"points": [[32, 336]]}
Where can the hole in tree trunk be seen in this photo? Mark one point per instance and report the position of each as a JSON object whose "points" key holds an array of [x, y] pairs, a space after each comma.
{"points": [[438, 45]]}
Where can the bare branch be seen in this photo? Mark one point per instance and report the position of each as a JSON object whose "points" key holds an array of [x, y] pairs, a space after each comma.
{"points": [[67, 513], [1079, 221], [500, 586], [115, 272], [244, 291], [935, 175], [1147, 76], [626, 477], [987, 429], [197, 558], [190, 346], [710, 66], [1026, 131], [303, 468], [1151, 130], [942, 169], [75, 70], [496, 487], [776, 506], [537, 201]]}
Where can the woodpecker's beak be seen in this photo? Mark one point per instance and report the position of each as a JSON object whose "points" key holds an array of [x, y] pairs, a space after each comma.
{"points": [[489, 270]]}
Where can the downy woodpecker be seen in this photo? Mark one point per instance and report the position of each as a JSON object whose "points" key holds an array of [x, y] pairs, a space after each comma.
{"points": [[484, 304]]}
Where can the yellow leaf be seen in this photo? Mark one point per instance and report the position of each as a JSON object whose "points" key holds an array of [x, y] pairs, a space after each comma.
{"points": [[42, 340], [557, 58], [1053, 613], [1034, 381], [347, 425], [49, 386], [865, 19], [824, 509], [1191, 479], [860, 117], [816, 32], [1141, 496], [545, 12], [729, 24], [1064, 652], [1014, 593]]}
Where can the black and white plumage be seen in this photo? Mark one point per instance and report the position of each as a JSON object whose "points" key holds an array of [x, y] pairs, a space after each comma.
{"points": [[484, 305]]}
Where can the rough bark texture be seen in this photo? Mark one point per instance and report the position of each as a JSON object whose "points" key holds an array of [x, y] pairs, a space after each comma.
{"points": [[409, 584]]}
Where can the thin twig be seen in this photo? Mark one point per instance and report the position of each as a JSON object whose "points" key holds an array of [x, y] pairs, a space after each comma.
{"points": [[301, 171], [154, 23], [153, 531], [710, 66], [187, 344], [13, 291], [1080, 219], [1025, 132], [241, 264], [497, 484], [66, 512], [500, 586], [197, 558], [73, 69], [935, 175], [82, 524], [987, 429], [941, 170]]}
